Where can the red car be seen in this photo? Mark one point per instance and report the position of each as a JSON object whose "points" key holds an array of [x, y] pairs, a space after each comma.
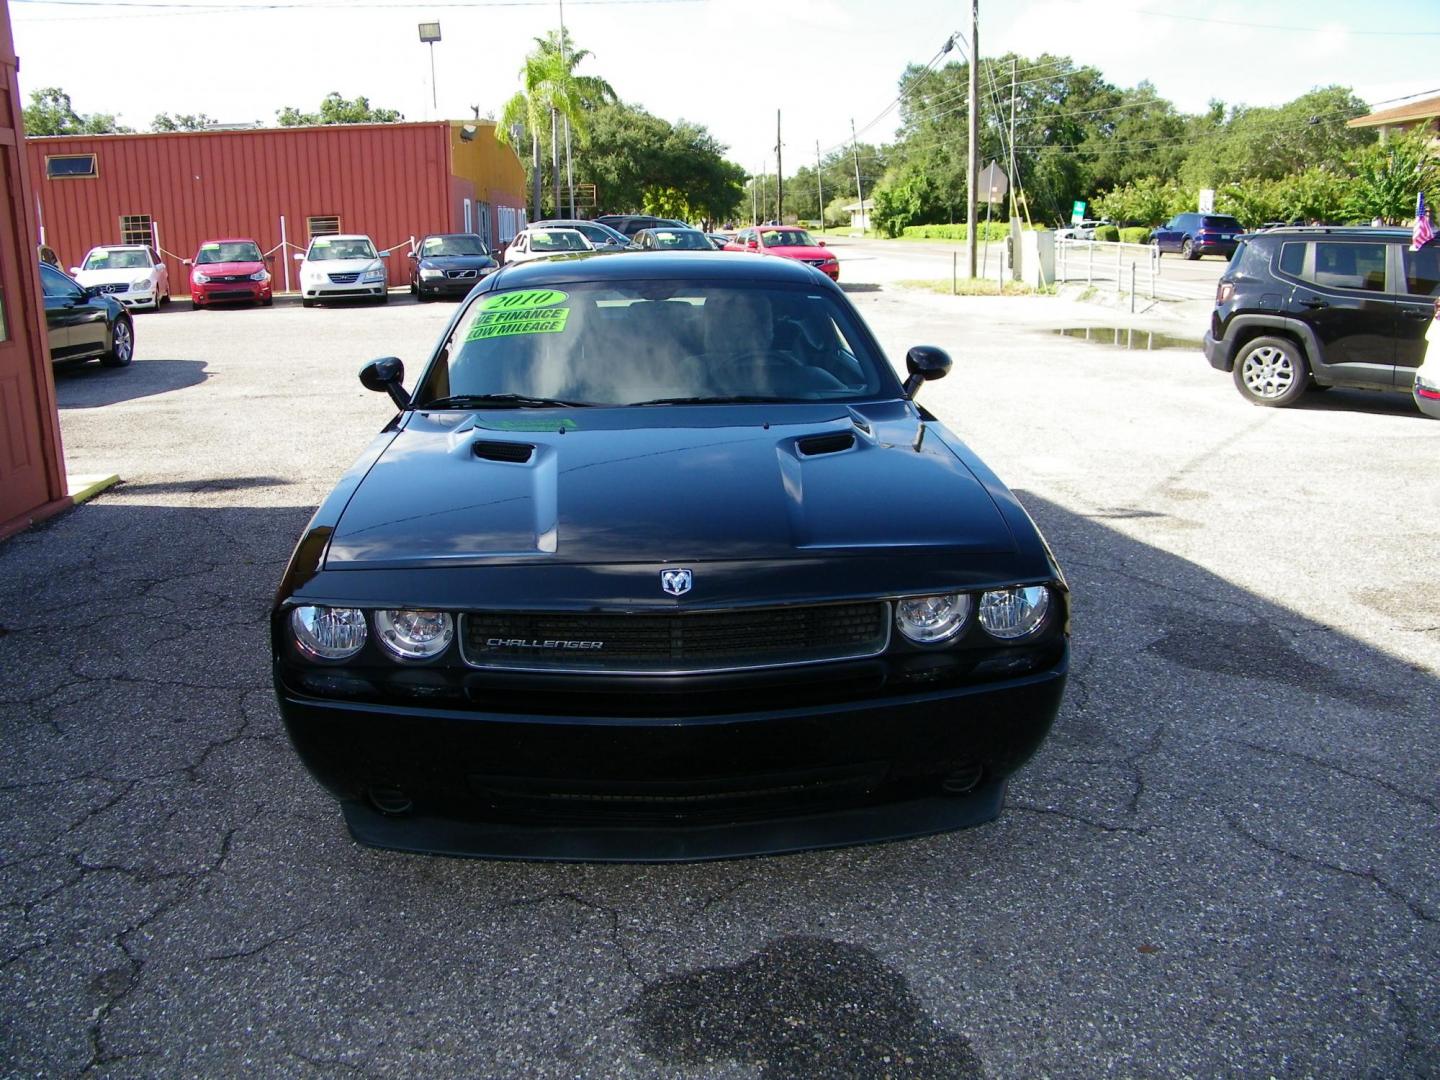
{"points": [[230, 269], [787, 241]]}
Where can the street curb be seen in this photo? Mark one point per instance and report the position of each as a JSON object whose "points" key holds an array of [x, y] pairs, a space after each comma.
{"points": [[86, 487]]}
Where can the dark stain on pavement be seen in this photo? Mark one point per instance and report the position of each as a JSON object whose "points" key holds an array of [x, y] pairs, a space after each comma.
{"points": [[1255, 650], [801, 1007]]}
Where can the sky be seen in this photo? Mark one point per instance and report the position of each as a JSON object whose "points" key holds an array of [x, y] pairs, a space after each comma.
{"points": [[726, 64]]}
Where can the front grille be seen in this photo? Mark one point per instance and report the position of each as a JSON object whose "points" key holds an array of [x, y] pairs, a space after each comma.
{"points": [[674, 641], [814, 262], [112, 288], [461, 273], [231, 277], [344, 279]]}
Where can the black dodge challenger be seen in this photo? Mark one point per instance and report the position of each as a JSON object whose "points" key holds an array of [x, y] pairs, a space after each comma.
{"points": [[660, 560]]}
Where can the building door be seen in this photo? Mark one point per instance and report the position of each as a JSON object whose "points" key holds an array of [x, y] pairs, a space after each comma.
{"points": [[30, 473]]}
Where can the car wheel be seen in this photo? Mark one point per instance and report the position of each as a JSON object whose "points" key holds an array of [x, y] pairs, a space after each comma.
{"points": [[384, 297], [269, 301], [122, 344], [305, 301], [415, 290], [1187, 249], [1271, 371]]}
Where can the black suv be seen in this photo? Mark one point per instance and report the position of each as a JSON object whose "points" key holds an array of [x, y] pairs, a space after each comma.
{"points": [[1302, 308]]}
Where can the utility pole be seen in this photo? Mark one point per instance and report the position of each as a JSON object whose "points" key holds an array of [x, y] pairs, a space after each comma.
{"points": [[974, 163], [779, 176], [569, 160], [755, 199], [859, 191], [819, 186], [1014, 201]]}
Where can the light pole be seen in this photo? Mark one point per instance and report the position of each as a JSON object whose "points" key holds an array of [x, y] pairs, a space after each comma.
{"points": [[429, 35]]}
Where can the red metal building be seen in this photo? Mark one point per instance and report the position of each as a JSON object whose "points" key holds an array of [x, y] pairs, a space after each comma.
{"points": [[32, 467], [176, 190]]}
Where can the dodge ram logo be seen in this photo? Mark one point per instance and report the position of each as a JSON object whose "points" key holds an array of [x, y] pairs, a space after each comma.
{"points": [[676, 582]]}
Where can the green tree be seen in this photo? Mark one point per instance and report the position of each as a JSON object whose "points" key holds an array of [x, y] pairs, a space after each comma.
{"points": [[51, 113], [1385, 180], [1147, 201], [339, 110], [181, 122]]}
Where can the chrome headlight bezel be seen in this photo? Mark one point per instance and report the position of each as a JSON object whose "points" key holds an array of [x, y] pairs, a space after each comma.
{"points": [[1014, 613], [933, 620], [344, 627], [395, 628]]}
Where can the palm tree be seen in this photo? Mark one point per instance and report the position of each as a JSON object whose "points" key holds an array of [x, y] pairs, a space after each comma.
{"points": [[525, 112], [574, 96]]}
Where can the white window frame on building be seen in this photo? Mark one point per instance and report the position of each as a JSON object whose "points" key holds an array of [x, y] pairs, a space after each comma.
{"points": [[137, 229], [54, 160], [322, 225]]}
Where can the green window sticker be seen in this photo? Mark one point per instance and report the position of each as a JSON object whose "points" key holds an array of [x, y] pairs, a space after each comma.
{"points": [[524, 300], [209, 247], [529, 311]]}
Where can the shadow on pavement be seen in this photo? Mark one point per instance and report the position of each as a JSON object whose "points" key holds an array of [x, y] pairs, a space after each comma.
{"points": [[1233, 820], [91, 385]]}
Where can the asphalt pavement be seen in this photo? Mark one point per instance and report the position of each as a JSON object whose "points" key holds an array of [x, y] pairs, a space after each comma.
{"points": [[1223, 862]]}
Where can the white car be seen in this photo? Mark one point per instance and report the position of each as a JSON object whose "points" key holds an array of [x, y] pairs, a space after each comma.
{"points": [[1427, 376], [132, 273], [540, 243], [342, 267]]}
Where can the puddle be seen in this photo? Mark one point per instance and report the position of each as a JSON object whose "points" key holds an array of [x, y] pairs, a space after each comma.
{"points": [[1125, 337]]}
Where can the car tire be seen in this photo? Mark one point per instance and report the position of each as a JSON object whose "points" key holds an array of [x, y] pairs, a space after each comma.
{"points": [[1187, 249], [305, 301], [1271, 371], [269, 301], [122, 344], [384, 297]]}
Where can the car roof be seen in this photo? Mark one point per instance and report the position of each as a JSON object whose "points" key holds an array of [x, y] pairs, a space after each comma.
{"points": [[1389, 234], [652, 265], [429, 236], [121, 247], [230, 240], [341, 236]]}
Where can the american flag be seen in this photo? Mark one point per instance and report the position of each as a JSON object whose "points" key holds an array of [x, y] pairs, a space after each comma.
{"points": [[1424, 231]]}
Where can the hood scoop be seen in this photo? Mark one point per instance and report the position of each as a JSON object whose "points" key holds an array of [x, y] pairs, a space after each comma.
{"points": [[830, 443], [515, 453]]}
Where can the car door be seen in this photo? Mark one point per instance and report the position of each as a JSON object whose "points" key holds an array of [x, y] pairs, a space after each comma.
{"points": [[65, 312], [1342, 297], [1418, 276]]}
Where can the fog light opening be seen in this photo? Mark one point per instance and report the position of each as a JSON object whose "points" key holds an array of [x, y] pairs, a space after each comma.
{"points": [[389, 801], [962, 781]]}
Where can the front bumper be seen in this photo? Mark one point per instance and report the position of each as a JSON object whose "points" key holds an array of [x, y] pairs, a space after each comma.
{"points": [[637, 784], [329, 290], [447, 286], [230, 291], [139, 300]]}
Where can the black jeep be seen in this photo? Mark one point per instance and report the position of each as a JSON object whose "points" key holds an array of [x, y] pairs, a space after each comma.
{"points": [[1313, 307]]}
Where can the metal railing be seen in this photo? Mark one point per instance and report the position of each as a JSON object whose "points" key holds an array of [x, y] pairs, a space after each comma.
{"points": [[1127, 268]]}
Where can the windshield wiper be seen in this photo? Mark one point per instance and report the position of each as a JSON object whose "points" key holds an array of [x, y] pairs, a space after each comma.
{"points": [[500, 401], [733, 399]]}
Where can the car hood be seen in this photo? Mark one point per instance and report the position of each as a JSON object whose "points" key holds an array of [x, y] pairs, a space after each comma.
{"points": [[802, 252], [113, 277], [227, 268], [341, 266], [717, 482], [456, 262]]}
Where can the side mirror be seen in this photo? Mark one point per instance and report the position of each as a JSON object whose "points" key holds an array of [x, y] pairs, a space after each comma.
{"points": [[752, 244], [299, 256], [924, 362], [74, 270], [384, 254], [820, 243], [386, 374], [414, 255], [269, 258]]}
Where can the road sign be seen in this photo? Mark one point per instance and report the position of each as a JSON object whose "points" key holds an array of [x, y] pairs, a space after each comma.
{"points": [[585, 195], [1077, 212], [992, 184], [1206, 201]]}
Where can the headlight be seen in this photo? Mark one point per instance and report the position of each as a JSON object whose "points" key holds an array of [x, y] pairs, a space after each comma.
{"points": [[260, 275], [378, 274], [427, 272], [932, 620], [140, 284], [328, 633], [199, 278], [1009, 614], [414, 635]]}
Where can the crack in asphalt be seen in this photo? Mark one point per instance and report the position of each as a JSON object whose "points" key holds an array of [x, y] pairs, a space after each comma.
{"points": [[613, 914], [1330, 766], [1371, 875]]}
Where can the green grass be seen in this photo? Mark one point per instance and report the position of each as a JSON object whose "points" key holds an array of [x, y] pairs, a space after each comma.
{"points": [[969, 287]]}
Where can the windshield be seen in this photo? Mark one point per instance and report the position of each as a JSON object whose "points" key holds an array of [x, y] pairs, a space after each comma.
{"points": [[558, 240], [104, 259], [786, 238], [1221, 223], [228, 251], [453, 245], [329, 248], [680, 240], [626, 343]]}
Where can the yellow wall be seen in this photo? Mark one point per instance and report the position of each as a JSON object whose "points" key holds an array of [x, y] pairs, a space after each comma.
{"points": [[491, 166]]}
